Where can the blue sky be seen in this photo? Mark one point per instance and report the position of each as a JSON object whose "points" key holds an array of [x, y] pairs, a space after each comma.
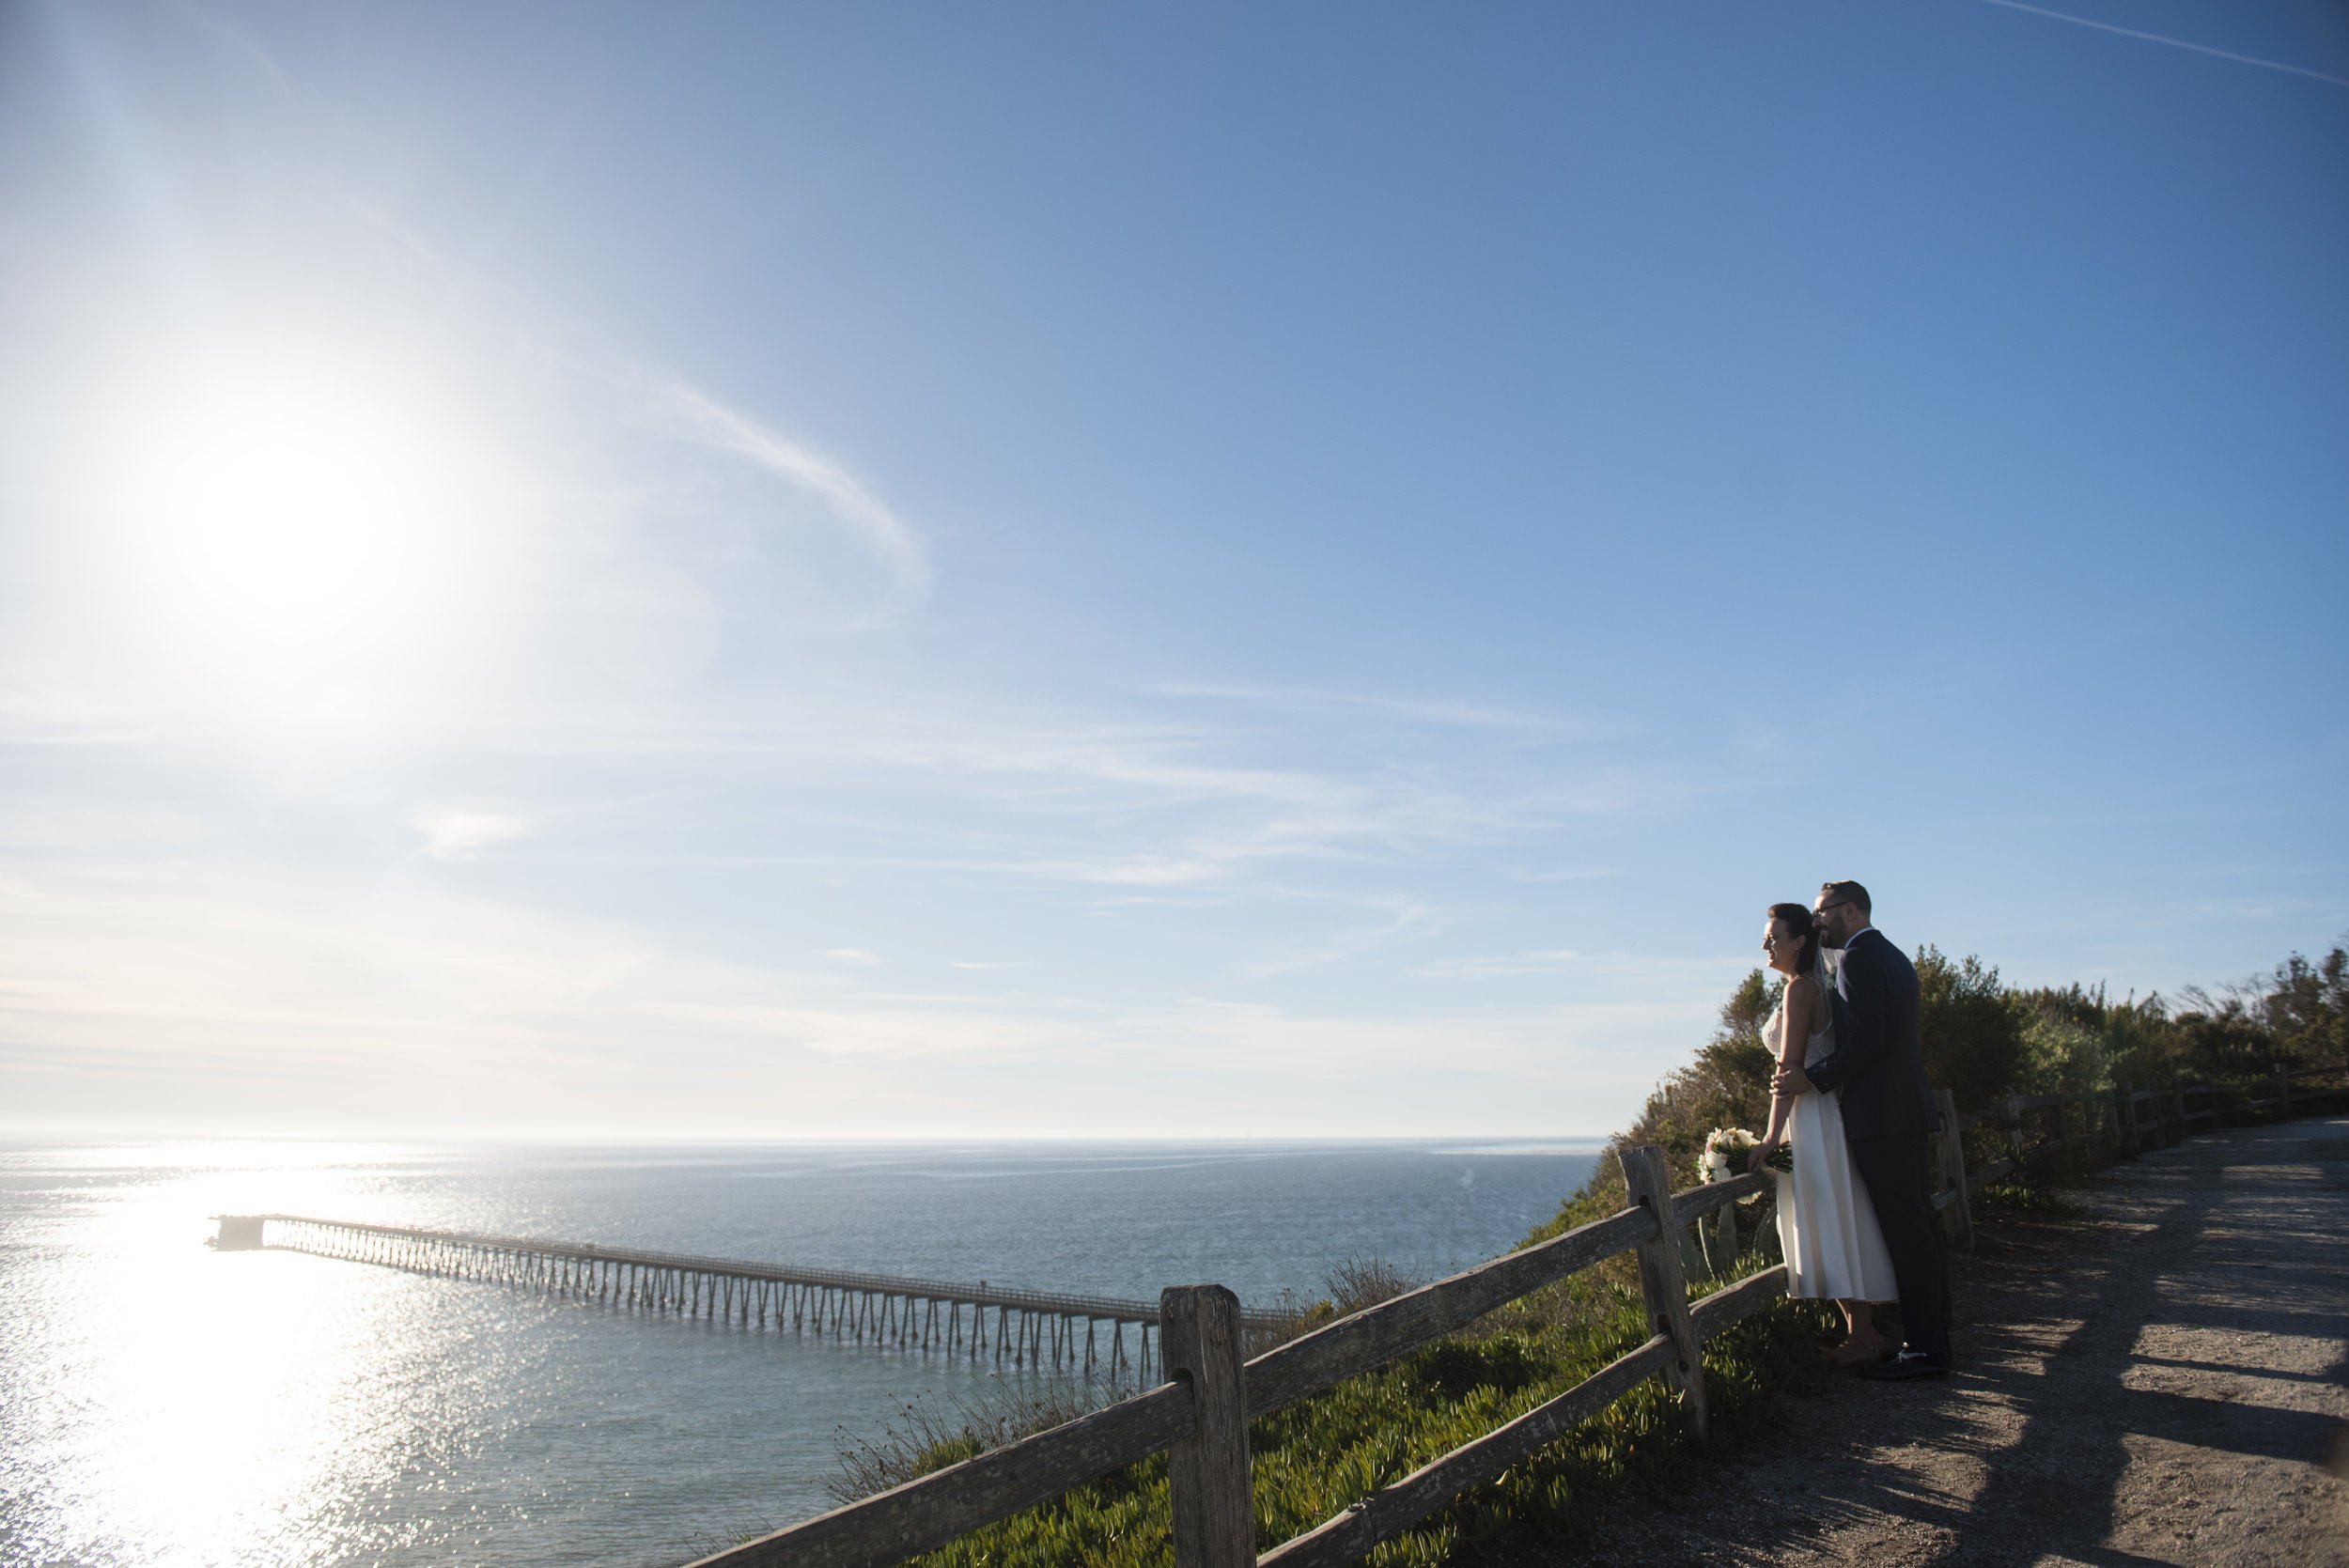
{"points": [[873, 570]]}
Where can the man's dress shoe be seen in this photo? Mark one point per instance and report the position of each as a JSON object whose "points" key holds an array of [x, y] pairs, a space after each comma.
{"points": [[1906, 1365]]}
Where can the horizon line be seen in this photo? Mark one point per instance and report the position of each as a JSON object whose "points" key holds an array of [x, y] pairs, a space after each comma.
{"points": [[739, 1140]]}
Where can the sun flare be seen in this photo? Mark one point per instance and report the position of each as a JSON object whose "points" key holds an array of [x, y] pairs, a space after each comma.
{"points": [[301, 536]]}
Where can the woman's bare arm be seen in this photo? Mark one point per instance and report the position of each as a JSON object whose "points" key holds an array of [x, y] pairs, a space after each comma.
{"points": [[1794, 1025]]}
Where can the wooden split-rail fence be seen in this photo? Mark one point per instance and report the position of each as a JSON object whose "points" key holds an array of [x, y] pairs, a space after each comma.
{"points": [[1199, 1416], [1029, 1329]]}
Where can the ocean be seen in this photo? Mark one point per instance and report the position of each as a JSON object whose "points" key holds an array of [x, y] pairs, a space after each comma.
{"points": [[163, 1404]]}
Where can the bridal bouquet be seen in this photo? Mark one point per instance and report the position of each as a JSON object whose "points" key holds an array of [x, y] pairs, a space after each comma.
{"points": [[1725, 1152]]}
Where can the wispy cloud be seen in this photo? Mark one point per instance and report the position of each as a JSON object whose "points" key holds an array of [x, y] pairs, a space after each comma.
{"points": [[1618, 970], [1407, 918], [687, 412], [304, 999], [1503, 966], [856, 956], [1311, 700], [459, 833], [1108, 798], [2172, 42], [238, 41]]}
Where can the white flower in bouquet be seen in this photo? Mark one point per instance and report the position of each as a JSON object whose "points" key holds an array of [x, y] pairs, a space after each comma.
{"points": [[1725, 1150]]}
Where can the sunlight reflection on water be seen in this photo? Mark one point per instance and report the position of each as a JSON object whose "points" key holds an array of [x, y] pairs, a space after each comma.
{"points": [[210, 1414]]}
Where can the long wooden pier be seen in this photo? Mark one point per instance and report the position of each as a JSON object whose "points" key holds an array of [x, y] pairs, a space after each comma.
{"points": [[1029, 1327]]}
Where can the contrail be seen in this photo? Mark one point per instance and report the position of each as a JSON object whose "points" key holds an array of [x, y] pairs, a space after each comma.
{"points": [[2174, 43]]}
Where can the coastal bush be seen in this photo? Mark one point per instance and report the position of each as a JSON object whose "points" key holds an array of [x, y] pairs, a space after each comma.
{"points": [[1359, 1282], [2078, 1041], [2306, 1005], [1972, 1032], [927, 1436], [2062, 1056]]}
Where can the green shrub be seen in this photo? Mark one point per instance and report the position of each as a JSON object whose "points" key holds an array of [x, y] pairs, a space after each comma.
{"points": [[1972, 1030]]}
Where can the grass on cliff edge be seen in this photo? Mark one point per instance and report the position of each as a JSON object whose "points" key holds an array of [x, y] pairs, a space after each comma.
{"points": [[1316, 1457]]}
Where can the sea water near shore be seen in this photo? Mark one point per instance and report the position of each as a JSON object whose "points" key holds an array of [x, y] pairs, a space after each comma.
{"points": [[160, 1404]]}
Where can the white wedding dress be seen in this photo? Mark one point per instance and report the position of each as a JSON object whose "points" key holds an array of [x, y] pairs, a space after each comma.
{"points": [[1826, 1226]]}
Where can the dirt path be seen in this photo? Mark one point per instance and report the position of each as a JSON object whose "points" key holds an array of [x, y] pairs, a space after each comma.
{"points": [[2164, 1380]]}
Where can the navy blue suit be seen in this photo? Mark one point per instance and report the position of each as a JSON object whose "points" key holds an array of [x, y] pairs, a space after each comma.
{"points": [[1879, 1064]]}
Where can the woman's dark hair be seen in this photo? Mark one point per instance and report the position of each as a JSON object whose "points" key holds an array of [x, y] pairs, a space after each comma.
{"points": [[1805, 924]]}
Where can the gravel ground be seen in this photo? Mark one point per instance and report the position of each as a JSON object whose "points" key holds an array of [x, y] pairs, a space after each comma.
{"points": [[2161, 1378]]}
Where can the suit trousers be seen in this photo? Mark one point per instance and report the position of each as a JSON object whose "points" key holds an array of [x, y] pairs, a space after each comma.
{"points": [[1893, 1168]]}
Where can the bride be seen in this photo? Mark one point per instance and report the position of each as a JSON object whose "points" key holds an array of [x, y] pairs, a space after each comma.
{"points": [[1825, 1225]]}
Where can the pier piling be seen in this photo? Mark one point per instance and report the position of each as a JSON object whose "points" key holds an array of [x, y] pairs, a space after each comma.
{"points": [[898, 1315]]}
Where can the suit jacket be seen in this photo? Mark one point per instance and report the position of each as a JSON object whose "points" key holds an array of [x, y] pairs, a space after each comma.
{"points": [[1879, 1060]]}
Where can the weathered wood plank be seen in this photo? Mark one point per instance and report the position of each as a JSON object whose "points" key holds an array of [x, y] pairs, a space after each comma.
{"points": [[1718, 1237], [1997, 1171], [1741, 1300], [1393, 1509], [1952, 1174], [1697, 1202], [1371, 1338], [924, 1514], [1215, 1522], [1664, 1286]]}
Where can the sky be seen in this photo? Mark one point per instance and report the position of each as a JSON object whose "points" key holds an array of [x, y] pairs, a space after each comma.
{"points": [[887, 570]]}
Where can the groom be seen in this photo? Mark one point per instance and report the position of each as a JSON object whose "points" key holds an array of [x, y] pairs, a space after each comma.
{"points": [[1878, 1063]]}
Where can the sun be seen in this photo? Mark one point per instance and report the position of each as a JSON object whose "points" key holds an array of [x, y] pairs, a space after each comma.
{"points": [[301, 531]]}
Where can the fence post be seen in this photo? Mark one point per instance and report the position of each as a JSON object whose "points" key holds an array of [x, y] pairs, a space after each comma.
{"points": [[2283, 1093], [1208, 1473], [1663, 1284], [2128, 1099], [1957, 1220]]}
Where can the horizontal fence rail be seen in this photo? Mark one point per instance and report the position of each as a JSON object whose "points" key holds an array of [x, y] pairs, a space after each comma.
{"points": [[1029, 1327], [924, 1514], [1214, 1532]]}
